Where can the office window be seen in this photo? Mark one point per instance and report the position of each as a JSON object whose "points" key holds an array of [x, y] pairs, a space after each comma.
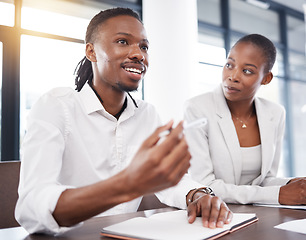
{"points": [[7, 12], [297, 88], [45, 64], [247, 18], [211, 37], [296, 34], [209, 77], [296, 44], [209, 11], [298, 110], [211, 57], [297, 66], [69, 19], [278, 68]]}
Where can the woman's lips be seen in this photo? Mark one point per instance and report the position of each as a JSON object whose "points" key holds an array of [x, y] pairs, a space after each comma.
{"points": [[230, 89]]}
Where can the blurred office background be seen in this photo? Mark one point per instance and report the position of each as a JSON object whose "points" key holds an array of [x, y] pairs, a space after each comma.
{"points": [[41, 43]]}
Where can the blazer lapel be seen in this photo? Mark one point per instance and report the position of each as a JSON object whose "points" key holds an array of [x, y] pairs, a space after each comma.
{"points": [[267, 136], [229, 133]]}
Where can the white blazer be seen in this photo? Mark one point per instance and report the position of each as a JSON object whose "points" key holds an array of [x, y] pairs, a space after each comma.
{"points": [[215, 149]]}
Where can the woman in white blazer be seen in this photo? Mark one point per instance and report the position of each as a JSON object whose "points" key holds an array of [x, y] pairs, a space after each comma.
{"points": [[238, 152]]}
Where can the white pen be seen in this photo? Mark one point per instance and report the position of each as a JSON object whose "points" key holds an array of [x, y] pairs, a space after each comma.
{"points": [[194, 124]]}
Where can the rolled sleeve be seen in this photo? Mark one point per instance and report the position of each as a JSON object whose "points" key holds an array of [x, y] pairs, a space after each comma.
{"points": [[39, 219]]}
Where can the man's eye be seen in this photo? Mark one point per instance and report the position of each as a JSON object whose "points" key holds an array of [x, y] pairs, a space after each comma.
{"points": [[228, 65]]}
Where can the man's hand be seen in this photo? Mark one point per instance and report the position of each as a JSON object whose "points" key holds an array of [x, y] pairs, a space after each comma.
{"points": [[213, 210], [158, 164]]}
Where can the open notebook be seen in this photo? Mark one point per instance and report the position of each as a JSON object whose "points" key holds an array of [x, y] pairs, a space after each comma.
{"points": [[173, 225]]}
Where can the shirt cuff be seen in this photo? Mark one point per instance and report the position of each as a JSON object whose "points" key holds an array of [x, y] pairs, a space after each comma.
{"points": [[176, 196]]}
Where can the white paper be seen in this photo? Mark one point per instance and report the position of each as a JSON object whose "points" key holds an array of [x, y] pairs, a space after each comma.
{"points": [[295, 226], [172, 226], [16, 233], [299, 207]]}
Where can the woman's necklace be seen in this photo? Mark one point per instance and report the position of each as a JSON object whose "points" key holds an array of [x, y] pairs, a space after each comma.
{"points": [[246, 121]]}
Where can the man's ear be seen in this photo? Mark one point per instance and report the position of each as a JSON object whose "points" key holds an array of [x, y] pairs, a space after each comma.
{"points": [[267, 78], [90, 52]]}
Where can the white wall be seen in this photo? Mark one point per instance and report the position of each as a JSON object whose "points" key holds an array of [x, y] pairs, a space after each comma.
{"points": [[172, 31]]}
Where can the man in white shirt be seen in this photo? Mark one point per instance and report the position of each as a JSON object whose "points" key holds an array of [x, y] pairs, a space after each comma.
{"points": [[97, 150]]}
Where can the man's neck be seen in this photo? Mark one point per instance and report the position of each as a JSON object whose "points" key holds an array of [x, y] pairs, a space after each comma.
{"points": [[113, 101]]}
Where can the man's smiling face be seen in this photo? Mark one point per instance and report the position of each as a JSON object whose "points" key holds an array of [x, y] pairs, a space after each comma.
{"points": [[120, 53]]}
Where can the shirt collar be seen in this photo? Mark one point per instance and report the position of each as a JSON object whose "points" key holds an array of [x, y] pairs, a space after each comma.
{"points": [[90, 100], [129, 111], [92, 104]]}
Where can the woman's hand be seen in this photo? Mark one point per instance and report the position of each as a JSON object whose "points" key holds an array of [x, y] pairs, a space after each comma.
{"points": [[293, 193]]}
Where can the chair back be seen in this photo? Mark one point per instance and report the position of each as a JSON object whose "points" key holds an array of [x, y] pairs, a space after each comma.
{"points": [[9, 180]]}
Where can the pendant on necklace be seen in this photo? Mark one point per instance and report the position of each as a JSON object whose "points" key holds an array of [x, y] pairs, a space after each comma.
{"points": [[244, 126]]}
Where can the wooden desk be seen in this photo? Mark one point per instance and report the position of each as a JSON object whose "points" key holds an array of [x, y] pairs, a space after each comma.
{"points": [[263, 229]]}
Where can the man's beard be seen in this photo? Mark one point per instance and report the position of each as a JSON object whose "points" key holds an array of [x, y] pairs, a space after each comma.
{"points": [[126, 88]]}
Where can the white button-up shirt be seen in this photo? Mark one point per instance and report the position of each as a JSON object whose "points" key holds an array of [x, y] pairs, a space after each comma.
{"points": [[71, 141]]}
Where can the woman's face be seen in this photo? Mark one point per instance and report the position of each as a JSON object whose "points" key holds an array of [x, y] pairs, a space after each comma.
{"points": [[244, 72]]}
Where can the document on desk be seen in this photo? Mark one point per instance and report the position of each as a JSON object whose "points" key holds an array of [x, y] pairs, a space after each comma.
{"points": [[295, 226], [298, 207], [173, 226]]}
